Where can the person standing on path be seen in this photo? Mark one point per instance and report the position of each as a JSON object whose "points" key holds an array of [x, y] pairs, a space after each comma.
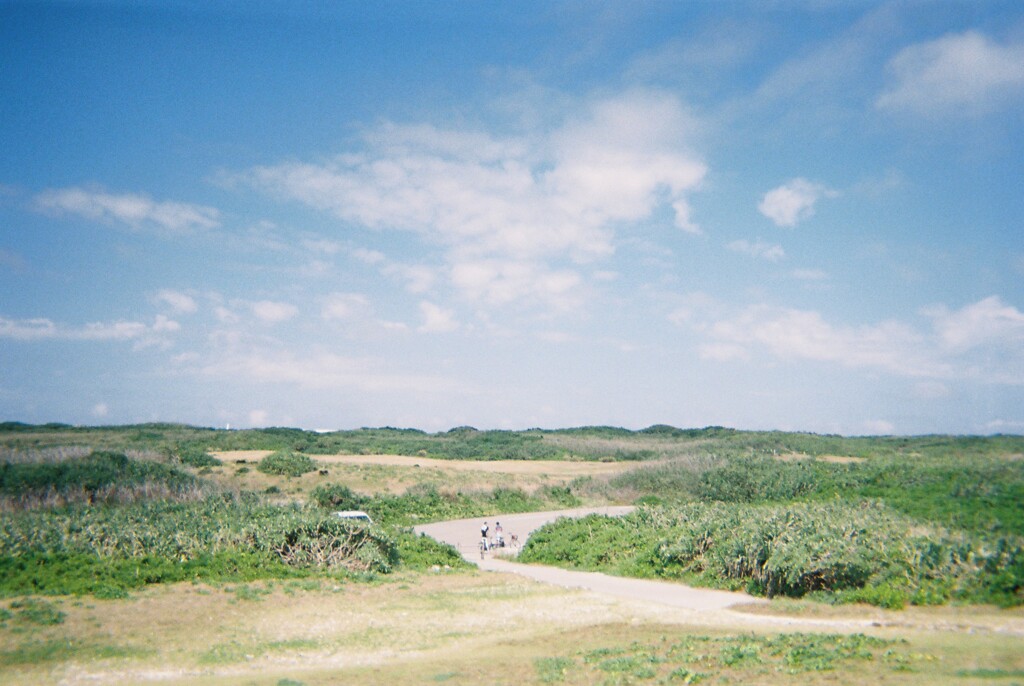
{"points": [[483, 534]]}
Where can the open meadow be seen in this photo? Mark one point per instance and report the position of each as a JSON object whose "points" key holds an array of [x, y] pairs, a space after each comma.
{"points": [[174, 555]]}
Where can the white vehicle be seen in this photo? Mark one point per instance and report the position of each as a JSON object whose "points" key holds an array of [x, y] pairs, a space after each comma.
{"points": [[357, 515]]}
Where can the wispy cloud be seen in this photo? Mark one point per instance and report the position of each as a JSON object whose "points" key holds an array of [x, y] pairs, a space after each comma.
{"points": [[983, 341], [500, 206], [40, 329], [136, 211], [986, 323], [793, 202], [765, 251], [272, 312], [437, 319], [319, 370], [181, 303], [965, 73]]}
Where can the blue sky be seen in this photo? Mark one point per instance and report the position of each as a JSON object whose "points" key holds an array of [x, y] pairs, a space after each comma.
{"points": [[766, 215]]}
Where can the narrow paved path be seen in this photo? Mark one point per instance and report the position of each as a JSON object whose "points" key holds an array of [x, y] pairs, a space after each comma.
{"points": [[464, 535]]}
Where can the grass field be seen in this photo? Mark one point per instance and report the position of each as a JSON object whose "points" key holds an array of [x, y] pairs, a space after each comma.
{"points": [[472, 628], [251, 619], [370, 474]]}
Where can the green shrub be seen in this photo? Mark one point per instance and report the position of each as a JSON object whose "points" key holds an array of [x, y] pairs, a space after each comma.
{"points": [[422, 552], [194, 457], [36, 611], [863, 552], [749, 480], [286, 463], [336, 497], [99, 477], [94, 550]]}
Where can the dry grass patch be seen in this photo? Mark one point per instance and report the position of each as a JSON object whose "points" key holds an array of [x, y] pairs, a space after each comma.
{"points": [[371, 474], [471, 628]]}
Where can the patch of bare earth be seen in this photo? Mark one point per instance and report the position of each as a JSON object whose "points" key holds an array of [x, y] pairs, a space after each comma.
{"points": [[457, 627], [396, 473]]}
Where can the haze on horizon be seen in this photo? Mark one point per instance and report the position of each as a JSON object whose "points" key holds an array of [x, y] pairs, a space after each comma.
{"points": [[793, 215]]}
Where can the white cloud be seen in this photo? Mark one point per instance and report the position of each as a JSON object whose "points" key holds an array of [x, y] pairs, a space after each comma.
{"points": [[986, 322], [765, 251], [179, 302], [956, 74], [1003, 425], [324, 371], [258, 418], [418, 278], [322, 245], [368, 256], [163, 324], [46, 329], [983, 341], [793, 202], [100, 410], [531, 202], [501, 282], [344, 306], [802, 334], [225, 315], [273, 312], [133, 210], [437, 319]]}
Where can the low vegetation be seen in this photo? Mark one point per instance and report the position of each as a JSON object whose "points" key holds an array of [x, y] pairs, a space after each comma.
{"points": [[722, 659], [843, 552], [287, 463], [889, 521]]}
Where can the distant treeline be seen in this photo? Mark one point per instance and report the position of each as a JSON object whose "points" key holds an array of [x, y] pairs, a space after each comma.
{"points": [[587, 443]]}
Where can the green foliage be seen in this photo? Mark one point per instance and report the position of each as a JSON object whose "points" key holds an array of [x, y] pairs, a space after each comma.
{"points": [[337, 497], [757, 479], [659, 441], [423, 553], [691, 659], [286, 463], [195, 457], [36, 652], [110, 550], [37, 611], [855, 552], [425, 503], [99, 477], [562, 496]]}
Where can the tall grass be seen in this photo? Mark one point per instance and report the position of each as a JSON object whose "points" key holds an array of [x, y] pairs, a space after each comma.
{"points": [[99, 477], [850, 551]]}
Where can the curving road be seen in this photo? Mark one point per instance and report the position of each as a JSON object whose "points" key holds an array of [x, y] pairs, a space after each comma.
{"points": [[464, 535]]}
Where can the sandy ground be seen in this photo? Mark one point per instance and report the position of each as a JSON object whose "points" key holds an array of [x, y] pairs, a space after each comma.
{"points": [[470, 627], [701, 605], [464, 535], [554, 468]]}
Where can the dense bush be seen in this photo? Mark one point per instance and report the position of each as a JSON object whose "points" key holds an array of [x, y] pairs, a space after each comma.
{"points": [[862, 551], [198, 536], [658, 441], [337, 497], [286, 463], [756, 479], [99, 477], [195, 457], [422, 552]]}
